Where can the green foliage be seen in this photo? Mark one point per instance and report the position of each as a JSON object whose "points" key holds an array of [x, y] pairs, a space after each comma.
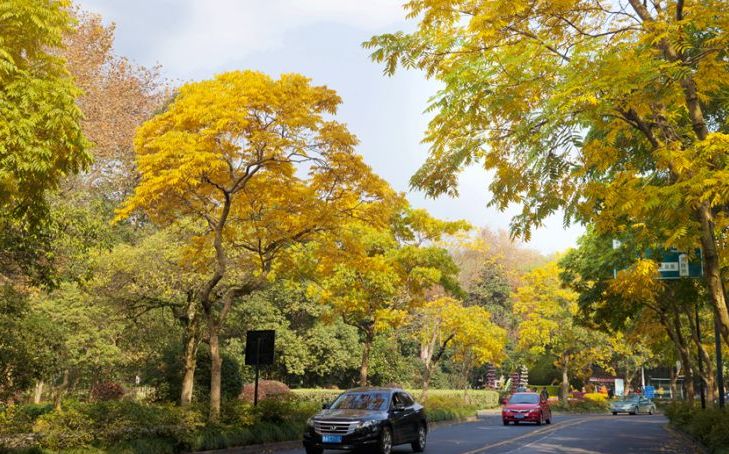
{"points": [[20, 418], [69, 428], [29, 343], [166, 374]]}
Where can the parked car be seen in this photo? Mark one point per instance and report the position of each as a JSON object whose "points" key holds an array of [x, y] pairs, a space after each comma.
{"points": [[526, 407], [372, 418], [633, 404]]}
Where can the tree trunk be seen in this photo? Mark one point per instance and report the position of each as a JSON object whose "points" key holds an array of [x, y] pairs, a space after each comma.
{"points": [[712, 270], [192, 342], [684, 354], [565, 388], [365, 365], [707, 375], [38, 392], [62, 389], [215, 373]]}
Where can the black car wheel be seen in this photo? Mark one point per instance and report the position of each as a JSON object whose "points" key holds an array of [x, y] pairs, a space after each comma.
{"points": [[506, 423], [541, 418], [615, 413], [419, 444], [313, 450], [549, 420], [384, 446], [634, 412]]}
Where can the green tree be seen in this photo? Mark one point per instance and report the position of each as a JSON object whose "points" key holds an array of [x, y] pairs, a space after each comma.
{"points": [[29, 343]]}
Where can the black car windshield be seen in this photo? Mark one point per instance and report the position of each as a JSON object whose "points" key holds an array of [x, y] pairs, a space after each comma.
{"points": [[375, 401], [524, 399]]}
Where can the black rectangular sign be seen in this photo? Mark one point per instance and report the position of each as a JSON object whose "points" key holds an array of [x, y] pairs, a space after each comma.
{"points": [[259, 347]]}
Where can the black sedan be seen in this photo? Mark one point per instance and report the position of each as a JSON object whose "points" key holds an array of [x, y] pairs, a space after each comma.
{"points": [[372, 418]]}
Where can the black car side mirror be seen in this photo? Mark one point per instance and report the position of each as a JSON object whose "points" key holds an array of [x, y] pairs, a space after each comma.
{"points": [[325, 406], [398, 407]]}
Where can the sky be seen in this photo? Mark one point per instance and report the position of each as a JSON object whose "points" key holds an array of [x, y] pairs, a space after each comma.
{"points": [[196, 39]]}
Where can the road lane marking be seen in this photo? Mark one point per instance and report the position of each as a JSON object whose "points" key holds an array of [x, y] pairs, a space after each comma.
{"points": [[549, 429]]}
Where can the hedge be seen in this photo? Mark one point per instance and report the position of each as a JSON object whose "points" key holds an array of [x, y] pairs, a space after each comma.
{"points": [[479, 398]]}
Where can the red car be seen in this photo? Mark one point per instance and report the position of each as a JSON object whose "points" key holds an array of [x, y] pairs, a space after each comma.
{"points": [[529, 407]]}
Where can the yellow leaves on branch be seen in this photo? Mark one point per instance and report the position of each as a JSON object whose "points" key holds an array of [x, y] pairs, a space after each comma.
{"points": [[637, 283], [473, 334]]}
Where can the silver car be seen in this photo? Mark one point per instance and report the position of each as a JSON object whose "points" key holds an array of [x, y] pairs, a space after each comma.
{"points": [[633, 405]]}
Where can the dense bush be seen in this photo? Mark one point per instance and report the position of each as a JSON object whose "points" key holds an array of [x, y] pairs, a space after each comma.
{"points": [[20, 418], [710, 426]]}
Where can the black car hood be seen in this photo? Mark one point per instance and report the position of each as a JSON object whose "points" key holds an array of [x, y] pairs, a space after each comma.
{"points": [[359, 415]]}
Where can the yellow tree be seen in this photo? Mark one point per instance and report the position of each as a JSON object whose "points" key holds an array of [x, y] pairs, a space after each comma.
{"points": [[548, 324], [378, 275], [444, 323], [40, 134], [613, 111], [259, 165]]}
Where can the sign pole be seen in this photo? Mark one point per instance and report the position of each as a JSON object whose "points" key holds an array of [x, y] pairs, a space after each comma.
{"points": [[719, 361], [701, 362], [258, 362]]}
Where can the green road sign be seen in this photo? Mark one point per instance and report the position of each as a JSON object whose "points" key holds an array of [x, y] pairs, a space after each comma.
{"points": [[674, 264]]}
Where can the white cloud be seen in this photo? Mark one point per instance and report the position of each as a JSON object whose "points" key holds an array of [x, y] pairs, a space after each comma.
{"points": [[193, 33]]}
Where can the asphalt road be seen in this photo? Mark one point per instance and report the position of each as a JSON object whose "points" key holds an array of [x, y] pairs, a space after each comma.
{"points": [[567, 434]]}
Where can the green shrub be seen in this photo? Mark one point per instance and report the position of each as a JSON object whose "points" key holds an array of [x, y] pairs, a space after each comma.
{"points": [[20, 418], [68, 428]]}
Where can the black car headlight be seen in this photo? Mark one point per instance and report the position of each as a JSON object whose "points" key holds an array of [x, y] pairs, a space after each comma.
{"points": [[371, 425], [310, 423]]}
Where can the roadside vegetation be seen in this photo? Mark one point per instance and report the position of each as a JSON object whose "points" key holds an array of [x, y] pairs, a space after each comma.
{"points": [[710, 427]]}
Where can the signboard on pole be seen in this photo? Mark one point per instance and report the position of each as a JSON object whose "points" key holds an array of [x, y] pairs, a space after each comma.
{"points": [[259, 347], [649, 392], [259, 351]]}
